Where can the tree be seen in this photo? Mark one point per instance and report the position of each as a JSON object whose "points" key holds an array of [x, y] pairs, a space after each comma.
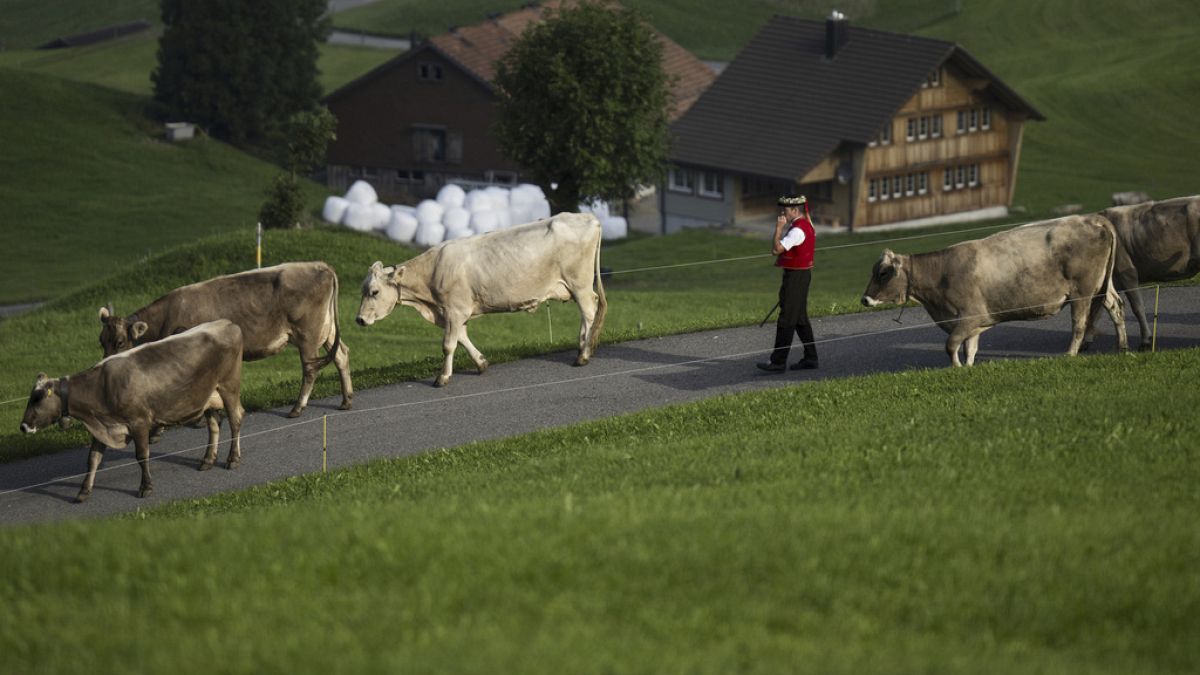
{"points": [[583, 104], [305, 138], [239, 68]]}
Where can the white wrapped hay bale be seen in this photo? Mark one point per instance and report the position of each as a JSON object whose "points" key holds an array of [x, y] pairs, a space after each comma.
{"points": [[498, 195], [519, 214], [402, 226], [484, 221], [503, 218], [477, 200], [598, 208], [457, 218], [451, 195], [614, 227], [539, 210], [456, 233], [382, 215], [361, 192], [429, 233], [429, 211], [360, 217], [525, 193], [335, 208], [405, 208]]}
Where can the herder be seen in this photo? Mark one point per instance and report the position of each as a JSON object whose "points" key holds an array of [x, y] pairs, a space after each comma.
{"points": [[793, 244]]}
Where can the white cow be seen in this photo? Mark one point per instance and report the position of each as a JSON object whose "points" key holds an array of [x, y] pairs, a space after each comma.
{"points": [[510, 270]]}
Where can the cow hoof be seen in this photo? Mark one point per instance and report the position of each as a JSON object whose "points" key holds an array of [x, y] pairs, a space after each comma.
{"points": [[82, 497], [233, 464], [581, 361], [346, 405], [1087, 346], [146, 492], [295, 412], [441, 381], [206, 464], [483, 366]]}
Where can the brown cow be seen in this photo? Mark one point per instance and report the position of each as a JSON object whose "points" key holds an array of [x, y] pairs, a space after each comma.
{"points": [[176, 380], [1156, 241], [1029, 272], [503, 271], [293, 302]]}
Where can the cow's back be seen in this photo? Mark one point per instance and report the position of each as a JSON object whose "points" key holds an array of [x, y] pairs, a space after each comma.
{"points": [[1160, 239]]}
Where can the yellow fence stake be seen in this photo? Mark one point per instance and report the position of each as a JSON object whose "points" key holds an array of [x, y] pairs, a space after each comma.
{"points": [[324, 442], [1154, 333]]}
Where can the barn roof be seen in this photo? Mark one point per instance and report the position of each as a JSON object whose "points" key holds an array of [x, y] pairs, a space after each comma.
{"points": [[477, 49], [782, 106]]}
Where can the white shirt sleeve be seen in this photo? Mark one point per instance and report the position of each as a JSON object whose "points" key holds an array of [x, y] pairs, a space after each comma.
{"points": [[794, 237]]}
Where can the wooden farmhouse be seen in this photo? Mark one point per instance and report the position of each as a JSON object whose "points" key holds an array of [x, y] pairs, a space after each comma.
{"points": [[873, 127], [423, 119]]}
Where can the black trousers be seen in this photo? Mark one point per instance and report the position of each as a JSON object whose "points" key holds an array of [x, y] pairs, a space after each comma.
{"points": [[793, 316]]}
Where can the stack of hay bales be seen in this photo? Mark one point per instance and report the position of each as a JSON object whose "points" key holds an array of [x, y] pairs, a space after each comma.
{"points": [[455, 213]]}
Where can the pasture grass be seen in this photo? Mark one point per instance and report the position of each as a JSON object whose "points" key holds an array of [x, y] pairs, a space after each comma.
{"points": [[1017, 517], [61, 337]]}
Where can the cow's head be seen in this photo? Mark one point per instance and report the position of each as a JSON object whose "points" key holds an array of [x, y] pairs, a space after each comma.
{"points": [[117, 334], [889, 281], [45, 405], [380, 293]]}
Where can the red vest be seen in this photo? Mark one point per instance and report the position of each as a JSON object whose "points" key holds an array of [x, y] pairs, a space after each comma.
{"points": [[799, 257]]}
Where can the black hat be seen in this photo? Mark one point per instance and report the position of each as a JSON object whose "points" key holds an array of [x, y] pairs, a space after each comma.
{"points": [[792, 200]]}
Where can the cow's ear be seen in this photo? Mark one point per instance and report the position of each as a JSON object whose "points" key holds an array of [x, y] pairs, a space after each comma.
{"points": [[41, 380], [376, 267], [397, 274], [886, 258], [105, 313], [138, 329]]}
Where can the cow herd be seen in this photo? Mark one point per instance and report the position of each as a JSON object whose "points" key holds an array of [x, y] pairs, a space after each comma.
{"points": [[178, 359]]}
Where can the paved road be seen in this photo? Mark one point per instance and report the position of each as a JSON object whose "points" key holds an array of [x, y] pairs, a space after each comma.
{"points": [[523, 396]]}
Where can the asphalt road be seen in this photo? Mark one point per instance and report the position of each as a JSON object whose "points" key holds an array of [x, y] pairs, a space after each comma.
{"points": [[523, 396]]}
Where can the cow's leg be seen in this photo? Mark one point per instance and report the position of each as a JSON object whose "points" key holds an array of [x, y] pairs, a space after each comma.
{"points": [[230, 393], [971, 345], [95, 454], [454, 328], [476, 355], [310, 362], [1134, 295], [957, 335], [341, 359], [141, 443], [1080, 308], [587, 300], [214, 436], [1116, 311]]}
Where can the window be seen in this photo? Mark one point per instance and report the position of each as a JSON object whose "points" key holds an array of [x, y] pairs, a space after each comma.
{"points": [[712, 185], [933, 80], [962, 121], [885, 134], [948, 179], [429, 72], [960, 177], [910, 185], [680, 180], [912, 129], [923, 131], [973, 175], [884, 192], [974, 119], [368, 172], [935, 126], [896, 188], [922, 183], [429, 144], [987, 118], [872, 189]]}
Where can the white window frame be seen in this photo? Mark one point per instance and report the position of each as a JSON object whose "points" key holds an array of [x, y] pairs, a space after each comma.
{"points": [[681, 181], [885, 192], [897, 188], [910, 129], [962, 122], [986, 122], [718, 191], [960, 176], [922, 183], [935, 126], [973, 175], [885, 134], [910, 185], [974, 125], [948, 179], [872, 189], [923, 128]]}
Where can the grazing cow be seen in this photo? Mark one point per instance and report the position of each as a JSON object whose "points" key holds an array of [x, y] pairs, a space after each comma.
{"points": [[503, 271], [1028, 272], [176, 380], [293, 302], [1156, 241]]}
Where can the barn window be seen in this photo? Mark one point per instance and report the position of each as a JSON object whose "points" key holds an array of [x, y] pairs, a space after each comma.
{"points": [[912, 129], [922, 183], [712, 185], [974, 119], [884, 193], [885, 134], [987, 118], [680, 180], [428, 71], [896, 188], [923, 132], [935, 126], [962, 121], [960, 176], [910, 185], [429, 144], [872, 189], [948, 179], [934, 79], [973, 175]]}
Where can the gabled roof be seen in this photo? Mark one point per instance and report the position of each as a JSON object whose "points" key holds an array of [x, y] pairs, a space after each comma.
{"points": [[781, 106], [478, 47]]}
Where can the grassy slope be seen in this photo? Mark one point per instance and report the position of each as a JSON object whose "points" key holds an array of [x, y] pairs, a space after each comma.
{"points": [[897, 523], [24, 24]]}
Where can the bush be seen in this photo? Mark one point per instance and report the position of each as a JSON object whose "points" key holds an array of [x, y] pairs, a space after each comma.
{"points": [[284, 205]]}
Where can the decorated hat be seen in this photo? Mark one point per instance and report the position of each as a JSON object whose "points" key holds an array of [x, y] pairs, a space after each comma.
{"points": [[793, 200]]}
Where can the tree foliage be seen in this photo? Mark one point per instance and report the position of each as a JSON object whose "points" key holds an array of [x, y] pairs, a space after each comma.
{"points": [[305, 138], [239, 68], [583, 104]]}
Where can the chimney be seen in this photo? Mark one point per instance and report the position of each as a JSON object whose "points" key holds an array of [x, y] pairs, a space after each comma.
{"points": [[837, 33]]}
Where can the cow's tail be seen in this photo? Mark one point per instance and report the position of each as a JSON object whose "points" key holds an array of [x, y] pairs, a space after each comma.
{"points": [[1112, 299], [601, 306], [331, 353]]}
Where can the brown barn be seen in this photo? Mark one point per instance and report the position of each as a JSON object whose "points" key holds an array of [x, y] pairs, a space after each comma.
{"points": [[874, 127], [423, 118]]}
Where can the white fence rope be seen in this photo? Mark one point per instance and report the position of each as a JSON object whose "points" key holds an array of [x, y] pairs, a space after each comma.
{"points": [[508, 390]]}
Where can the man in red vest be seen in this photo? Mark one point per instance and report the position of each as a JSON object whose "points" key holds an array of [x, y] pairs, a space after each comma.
{"points": [[794, 244]]}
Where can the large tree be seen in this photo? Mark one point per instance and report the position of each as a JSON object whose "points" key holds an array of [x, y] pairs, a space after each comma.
{"points": [[239, 68], [583, 104]]}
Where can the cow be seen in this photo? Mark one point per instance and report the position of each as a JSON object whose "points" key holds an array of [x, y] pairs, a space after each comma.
{"points": [[1028, 272], [293, 302], [177, 380], [508, 270], [1156, 241]]}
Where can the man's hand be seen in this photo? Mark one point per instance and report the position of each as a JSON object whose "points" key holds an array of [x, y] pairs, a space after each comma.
{"points": [[781, 222]]}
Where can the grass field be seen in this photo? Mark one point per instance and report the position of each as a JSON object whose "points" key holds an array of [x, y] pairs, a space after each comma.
{"points": [[1018, 517], [62, 337]]}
